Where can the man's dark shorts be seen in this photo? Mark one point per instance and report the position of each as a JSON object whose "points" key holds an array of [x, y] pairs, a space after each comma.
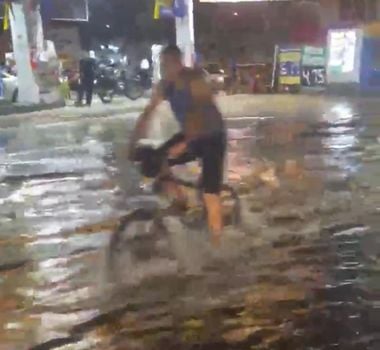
{"points": [[210, 150]]}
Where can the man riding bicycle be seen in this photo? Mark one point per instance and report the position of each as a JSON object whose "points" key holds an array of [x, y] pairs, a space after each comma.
{"points": [[202, 133]]}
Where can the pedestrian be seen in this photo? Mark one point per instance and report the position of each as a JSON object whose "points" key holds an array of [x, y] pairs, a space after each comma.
{"points": [[87, 67], [233, 76]]}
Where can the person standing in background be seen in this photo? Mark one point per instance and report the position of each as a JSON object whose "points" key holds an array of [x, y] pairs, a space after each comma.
{"points": [[233, 76], [87, 67]]}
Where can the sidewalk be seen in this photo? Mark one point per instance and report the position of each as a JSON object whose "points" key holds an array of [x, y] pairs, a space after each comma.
{"points": [[300, 106], [70, 112], [236, 106]]}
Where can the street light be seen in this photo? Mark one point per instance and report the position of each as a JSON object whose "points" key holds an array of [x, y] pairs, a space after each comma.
{"points": [[108, 26], [236, 14]]}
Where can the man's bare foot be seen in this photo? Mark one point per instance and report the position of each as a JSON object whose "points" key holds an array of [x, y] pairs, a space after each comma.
{"points": [[216, 238]]}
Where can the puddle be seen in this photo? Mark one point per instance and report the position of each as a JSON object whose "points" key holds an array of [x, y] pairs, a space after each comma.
{"points": [[301, 272]]}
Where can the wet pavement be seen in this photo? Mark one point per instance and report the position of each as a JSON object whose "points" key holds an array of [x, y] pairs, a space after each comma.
{"points": [[300, 272]]}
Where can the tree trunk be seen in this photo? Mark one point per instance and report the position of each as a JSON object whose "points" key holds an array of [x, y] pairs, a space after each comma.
{"points": [[185, 34], [37, 79], [28, 90]]}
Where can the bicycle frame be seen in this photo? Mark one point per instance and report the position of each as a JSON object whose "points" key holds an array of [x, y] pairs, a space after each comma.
{"points": [[142, 214]]}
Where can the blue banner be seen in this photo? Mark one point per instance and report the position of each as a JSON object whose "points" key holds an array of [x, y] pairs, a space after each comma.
{"points": [[178, 9], [46, 8]]}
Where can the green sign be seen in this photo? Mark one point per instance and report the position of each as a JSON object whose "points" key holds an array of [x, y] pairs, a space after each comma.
{"points": [[313, 56]]}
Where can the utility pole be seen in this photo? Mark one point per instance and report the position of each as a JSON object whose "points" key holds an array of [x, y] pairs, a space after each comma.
{"points": [[28, 90], [185, 34], [28, 45]]}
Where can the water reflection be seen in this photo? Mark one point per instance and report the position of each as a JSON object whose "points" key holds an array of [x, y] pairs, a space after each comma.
{"points": [[300, 273]]}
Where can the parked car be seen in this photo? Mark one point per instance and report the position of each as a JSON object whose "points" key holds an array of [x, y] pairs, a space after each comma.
{"points": [[10, 87]]}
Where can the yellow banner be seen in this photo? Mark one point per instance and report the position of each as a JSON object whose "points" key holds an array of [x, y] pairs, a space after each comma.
{"points": [[288, 80], [289, 57], [6, 16], [372, 30], [161, 3]]}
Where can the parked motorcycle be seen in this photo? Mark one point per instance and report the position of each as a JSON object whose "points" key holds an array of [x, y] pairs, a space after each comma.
{"points": [[131, 86], [110, 82]]}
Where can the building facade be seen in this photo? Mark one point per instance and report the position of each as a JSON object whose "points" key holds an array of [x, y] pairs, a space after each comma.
{"points": [[248, 31]]}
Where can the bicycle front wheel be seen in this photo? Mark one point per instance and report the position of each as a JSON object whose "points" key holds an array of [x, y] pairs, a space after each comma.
{"points": [[231, 206], [135, 239]]}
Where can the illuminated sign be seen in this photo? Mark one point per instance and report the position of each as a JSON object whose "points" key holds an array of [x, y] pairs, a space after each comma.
{"points": [[342, 50], [312, 76], [313, 56], [344, 55], [61, 10], [290, 66], [313, 73], [67, 10]]}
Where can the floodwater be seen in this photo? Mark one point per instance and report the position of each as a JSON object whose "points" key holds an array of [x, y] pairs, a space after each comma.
{"points": [[301, 272]]}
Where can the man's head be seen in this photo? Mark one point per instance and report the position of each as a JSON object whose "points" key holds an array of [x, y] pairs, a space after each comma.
{"points": [[171, 62]]}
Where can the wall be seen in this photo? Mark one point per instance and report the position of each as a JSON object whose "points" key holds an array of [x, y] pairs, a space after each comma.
{"points": [[332, 17], [5, 44], [330, 12], [246, 32], [377, 6], [216, 36]]}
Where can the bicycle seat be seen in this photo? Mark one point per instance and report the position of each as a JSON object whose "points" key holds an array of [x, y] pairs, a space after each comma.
{"points": [[150, 158]]}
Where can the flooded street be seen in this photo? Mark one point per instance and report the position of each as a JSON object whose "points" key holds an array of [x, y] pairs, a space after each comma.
{"points": [[301, 272]]}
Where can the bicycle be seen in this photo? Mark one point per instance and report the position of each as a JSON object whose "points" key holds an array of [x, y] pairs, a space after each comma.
{"points": [[152, 214]]}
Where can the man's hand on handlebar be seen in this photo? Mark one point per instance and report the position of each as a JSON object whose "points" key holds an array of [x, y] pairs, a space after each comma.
{"points": [[137, 133], [143, 121]]}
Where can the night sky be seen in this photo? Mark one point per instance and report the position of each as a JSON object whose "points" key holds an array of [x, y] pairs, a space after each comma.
{"points": [[129, 19]]}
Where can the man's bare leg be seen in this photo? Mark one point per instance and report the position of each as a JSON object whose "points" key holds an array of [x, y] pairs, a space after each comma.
{"points": [[172, 189], [213, 205]]}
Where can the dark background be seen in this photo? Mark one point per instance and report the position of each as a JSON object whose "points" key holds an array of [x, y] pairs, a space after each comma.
{"points": [[68, 9]]}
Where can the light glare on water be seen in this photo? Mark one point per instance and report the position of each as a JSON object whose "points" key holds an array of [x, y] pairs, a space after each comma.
{"points": [[300, 272]]}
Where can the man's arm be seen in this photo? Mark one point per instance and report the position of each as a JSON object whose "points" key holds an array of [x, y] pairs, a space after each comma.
{"points": [[144, 118]]}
